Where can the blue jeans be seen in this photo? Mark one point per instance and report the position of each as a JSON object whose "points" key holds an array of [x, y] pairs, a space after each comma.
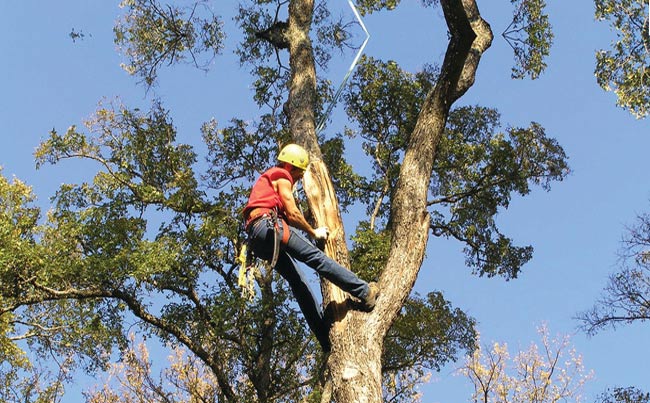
{"points": [[261, 236]]}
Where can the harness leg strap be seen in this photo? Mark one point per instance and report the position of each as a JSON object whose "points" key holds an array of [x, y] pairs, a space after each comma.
{"points": [[277, 239]]}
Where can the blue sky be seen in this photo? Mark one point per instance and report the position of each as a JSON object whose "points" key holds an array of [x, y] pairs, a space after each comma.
{"points": [[47, 81]]}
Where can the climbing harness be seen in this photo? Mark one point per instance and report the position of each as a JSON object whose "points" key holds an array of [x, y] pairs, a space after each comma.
{"points": [[280, 235], [280, 228], [247, 260]]}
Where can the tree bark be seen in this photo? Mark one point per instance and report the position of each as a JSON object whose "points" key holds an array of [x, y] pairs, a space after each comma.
{"points": [[301, 103], [357, 337]]}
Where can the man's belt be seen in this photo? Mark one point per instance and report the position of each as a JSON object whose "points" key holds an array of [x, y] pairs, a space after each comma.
{"points": [[258, 212]]}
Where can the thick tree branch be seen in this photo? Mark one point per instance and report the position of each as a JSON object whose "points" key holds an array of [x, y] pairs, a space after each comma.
{"points": [[301, 103], [48, 294], [470, 36]]}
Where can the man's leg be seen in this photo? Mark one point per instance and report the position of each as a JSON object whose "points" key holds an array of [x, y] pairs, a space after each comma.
{"points": [[301, 249], [305, 297]]}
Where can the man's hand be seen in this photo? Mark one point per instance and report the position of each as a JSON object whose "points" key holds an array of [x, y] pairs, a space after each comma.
{"points": [[321, 233]]}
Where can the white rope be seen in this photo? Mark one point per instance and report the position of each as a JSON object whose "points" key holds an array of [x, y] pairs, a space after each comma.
{"points": [[323, 119]]}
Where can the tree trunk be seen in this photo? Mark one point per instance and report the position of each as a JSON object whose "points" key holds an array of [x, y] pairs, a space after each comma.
{"points": [[302, 87], [355, 362], [357, 337]]}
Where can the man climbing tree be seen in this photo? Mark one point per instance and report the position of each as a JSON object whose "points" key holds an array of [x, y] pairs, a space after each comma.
{"points": [[272, 217]]}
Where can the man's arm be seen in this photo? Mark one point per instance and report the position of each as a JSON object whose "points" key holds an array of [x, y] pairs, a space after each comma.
{"points": [[293, 214]]}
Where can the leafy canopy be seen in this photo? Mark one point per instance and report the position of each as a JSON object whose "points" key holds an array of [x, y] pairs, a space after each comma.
{"points": [[151, 241], [478, 170]]}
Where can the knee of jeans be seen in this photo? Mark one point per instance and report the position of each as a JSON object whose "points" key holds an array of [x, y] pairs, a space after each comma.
{"points": [[292, 273]]}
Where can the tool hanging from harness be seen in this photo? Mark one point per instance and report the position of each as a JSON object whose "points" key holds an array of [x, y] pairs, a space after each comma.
{"points": [[246, 273]]}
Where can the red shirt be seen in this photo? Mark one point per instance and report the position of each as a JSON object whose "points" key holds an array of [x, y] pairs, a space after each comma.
{"points": [[263, 194]]}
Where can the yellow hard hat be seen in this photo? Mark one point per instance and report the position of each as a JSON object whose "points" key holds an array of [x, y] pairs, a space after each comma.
{"points": [[294, 155]]}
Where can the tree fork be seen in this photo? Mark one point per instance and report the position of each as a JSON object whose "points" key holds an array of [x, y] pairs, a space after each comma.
{"points": [[357, 338]]}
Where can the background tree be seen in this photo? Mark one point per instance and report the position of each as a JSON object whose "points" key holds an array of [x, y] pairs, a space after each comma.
{"points": [[186, 379], [154, 34], [624, 395], [625, 67], [21, 379], [550, 372], [626, 297], [149, 241]]}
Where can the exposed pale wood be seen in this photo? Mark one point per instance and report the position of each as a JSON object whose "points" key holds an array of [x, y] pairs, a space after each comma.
{"points": [[324, 207]]}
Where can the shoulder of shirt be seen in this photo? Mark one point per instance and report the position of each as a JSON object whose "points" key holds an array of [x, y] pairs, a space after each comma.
{"points": [[276, 173]]}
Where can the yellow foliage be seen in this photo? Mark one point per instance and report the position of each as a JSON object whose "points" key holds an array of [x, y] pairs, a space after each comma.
{"points": [[540, 374], [185, 380]]}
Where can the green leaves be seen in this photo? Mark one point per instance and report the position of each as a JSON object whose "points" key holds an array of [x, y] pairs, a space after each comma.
{"points": [[625, 67], [371, 6], [349, 185], [369, 252], [384, 101], [58, 147], [33, 260], [20, 255], [426, 335], [428, 332], [17, 215], [137, 154], [478, 170], [624, 395]]}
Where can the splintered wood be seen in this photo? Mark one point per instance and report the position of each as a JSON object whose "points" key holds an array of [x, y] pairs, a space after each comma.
{"points": [[322, 202]]}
